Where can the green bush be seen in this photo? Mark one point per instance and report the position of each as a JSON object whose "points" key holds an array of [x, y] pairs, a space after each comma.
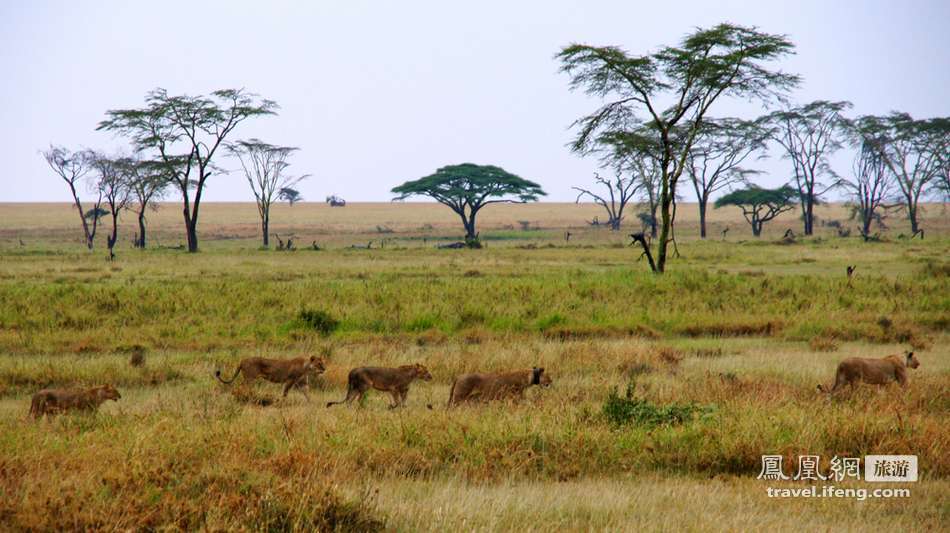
{"points": [[319, 320], [620, 411]]}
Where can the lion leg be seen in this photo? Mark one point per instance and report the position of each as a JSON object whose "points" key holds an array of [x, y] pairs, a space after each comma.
{"points": [[297, 383], [396, 395], [36, 407], [901, 377]]}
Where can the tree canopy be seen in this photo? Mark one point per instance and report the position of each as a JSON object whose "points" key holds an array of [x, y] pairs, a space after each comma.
{"points": [[184, 133], [659, 101], [468, 187], [809, 134], [759, 205]]}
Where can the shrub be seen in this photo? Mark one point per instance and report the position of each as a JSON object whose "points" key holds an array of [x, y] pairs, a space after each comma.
{"points": [[318, 320], [620, 411]]}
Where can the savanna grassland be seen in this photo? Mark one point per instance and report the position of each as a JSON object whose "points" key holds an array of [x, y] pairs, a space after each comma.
{"points": [[720, 356]]}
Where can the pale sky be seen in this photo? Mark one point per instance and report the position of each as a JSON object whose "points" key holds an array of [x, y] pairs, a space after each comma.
{"points": [[377, 93]]}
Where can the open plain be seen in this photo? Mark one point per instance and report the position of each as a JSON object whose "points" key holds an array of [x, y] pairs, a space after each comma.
{"points": [[720, 357]]}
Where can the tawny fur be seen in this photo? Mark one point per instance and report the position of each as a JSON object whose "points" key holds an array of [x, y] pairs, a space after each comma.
{"points": [[497, 386], [881, 371], [291, 372], [395, 381], [53, 401]]}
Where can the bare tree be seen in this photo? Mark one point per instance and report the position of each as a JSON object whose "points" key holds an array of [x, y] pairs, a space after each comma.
{"points": [[810, 134], [148, 183], [915, 152], [714, 163], [630, 154], [264, 167], [619, 192], [185, 133], [72, 167], [872, 184], [113, 181], [647, 172]]}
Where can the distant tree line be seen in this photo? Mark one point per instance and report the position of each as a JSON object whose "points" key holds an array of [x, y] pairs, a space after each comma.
{"points": [[655, 129]]}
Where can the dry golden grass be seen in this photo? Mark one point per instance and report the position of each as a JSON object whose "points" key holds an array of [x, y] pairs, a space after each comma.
{"points": [[358, 223], [743, 330]]}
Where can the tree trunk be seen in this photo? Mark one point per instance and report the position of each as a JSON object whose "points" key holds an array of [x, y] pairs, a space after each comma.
{"points": [[192, 232], [471, 233], [115, 229], [809, 214], [141, 240], [666, 202], [756, 229], [265, 226], [702, 217], [912, 215], [866, 217]]}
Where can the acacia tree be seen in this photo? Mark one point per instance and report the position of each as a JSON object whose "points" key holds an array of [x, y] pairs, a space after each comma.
{"points": [[629, 154], [714, 163], [265, 168], [467, 188], [915, 153], [289, 195], [619, 192], [73, 167], [726, 60], [809, 134], [113, 184], [148, 183], [185, 133], [759, 205], [872, 185]]}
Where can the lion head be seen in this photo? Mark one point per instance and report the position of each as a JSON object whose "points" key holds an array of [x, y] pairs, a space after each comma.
{"points": [[108, 392], [422, 372], [538, 377], [315, 365], [912, 361]]}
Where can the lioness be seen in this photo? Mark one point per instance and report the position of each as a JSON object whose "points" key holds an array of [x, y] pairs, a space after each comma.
{"points": [[290, 372], [52, 401], [873, 371], [393, 380], [487, 387]]}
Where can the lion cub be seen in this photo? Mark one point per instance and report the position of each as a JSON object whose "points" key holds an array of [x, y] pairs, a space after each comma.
{"points": [[392, 380], [290, 372], [53, 401], [499, 386], [873, 371]]}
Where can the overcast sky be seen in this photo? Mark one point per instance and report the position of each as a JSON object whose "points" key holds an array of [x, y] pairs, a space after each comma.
{"points": [[376, 93]]}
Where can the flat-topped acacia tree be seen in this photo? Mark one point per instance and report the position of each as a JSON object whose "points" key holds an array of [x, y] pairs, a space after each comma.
{"points": [[467, 188], [760, 205], [664, 97], [184, 134]]}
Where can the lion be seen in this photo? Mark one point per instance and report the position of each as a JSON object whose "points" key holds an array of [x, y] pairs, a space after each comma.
{"points": [[291, 372], [499, 386], [873, 371], [53, 401], [393, 380]]}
